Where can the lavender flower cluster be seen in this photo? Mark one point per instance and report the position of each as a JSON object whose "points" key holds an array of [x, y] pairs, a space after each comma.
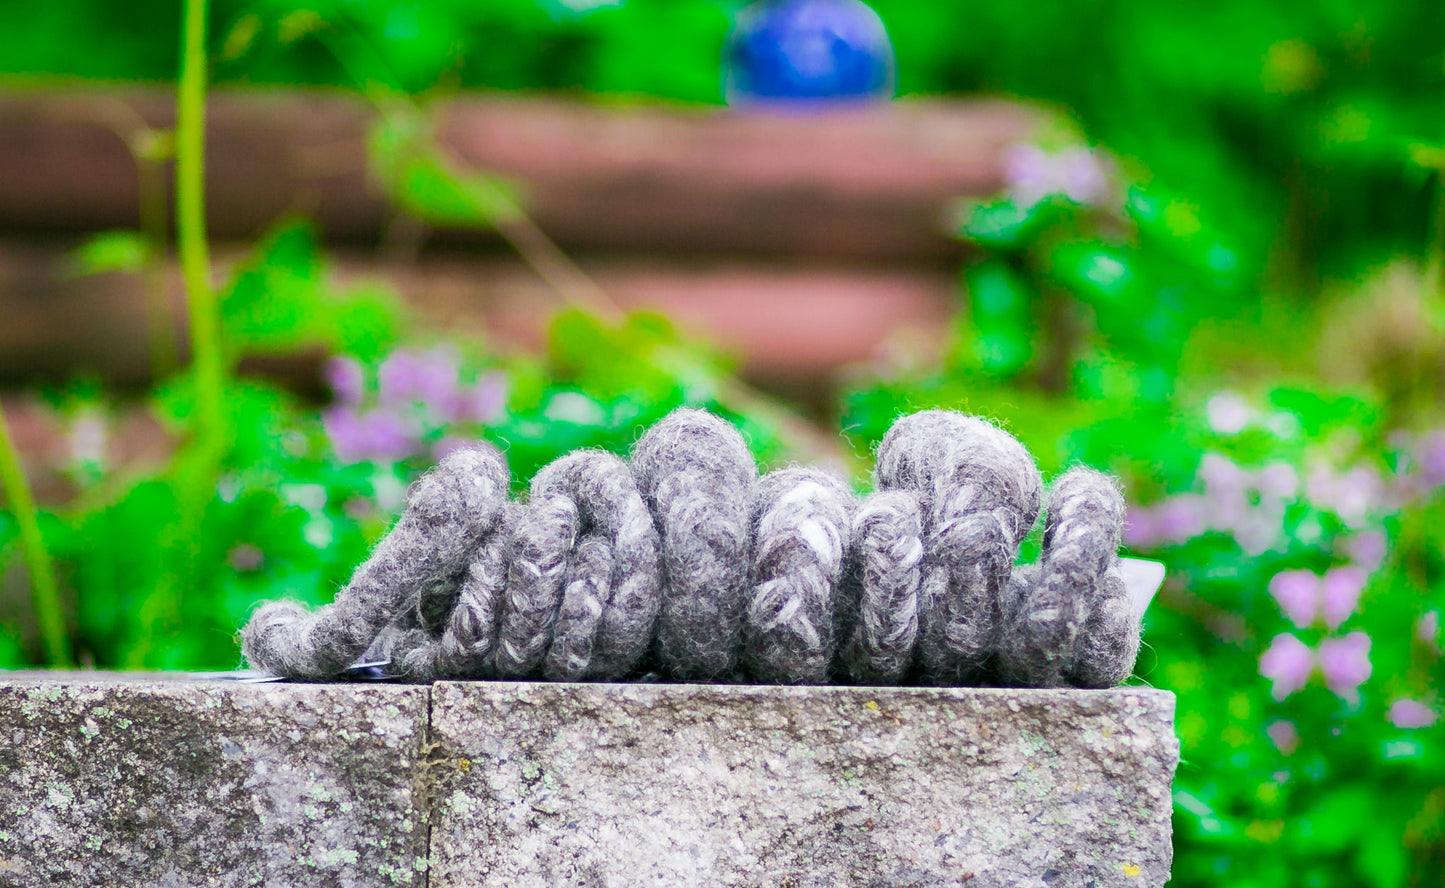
{"points": [[410, 407], [1251, 504]]}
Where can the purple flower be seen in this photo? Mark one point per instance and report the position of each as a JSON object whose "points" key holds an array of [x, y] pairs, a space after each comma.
{"points": [[1284, 735], [407, 377], [1345, 663], [347, 380], [1141, 528], [1278, 479], [1366, 549], [1288, 663], [1429, 453], [1340, 593], [388, 437], [1180, 518], [1353, 496], [343, 427], [1297, 592], [377, 435], [483, 401], [1428, 629], [1412, 714], [1228, 413], [1033, 174], [245, 558]]}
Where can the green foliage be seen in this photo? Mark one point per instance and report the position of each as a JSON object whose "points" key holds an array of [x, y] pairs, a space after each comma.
{"points": [[410, 166], [1287, 788], [1101, 319], [113, 251], [280, 300]]}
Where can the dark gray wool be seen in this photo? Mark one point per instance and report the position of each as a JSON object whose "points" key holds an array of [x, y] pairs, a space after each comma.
{"points": [[980, 494], [879, 600], [449, 511], [801, 533], [697, 476], [687, 556], [1069, 619]]}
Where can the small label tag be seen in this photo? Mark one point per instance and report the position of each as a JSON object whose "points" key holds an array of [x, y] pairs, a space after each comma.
{"points": [[1142, 579]]}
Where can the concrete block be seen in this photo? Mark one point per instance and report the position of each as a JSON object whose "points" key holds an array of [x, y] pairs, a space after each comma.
{"points": [[110, 781], [107, 780], [545, 785]]}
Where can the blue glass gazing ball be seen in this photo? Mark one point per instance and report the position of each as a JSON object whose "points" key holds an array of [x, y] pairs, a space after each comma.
{"points": [[808, 51]]}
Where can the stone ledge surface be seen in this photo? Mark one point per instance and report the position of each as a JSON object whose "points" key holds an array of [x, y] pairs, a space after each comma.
{"points": [[131, 782], [108, 780], [547, 785]]}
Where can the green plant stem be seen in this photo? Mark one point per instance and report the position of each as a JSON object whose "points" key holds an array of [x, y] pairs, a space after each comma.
{"points": [[195, 260], [1435, 251], [37, 559], [194, 473], [151, 176]]}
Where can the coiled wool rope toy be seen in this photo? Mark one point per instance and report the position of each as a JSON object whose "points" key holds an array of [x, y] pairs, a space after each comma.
{"points": [[686, 563]]}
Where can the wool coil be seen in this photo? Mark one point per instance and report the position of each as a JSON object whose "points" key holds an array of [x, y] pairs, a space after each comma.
{"points": [[682, 562]]}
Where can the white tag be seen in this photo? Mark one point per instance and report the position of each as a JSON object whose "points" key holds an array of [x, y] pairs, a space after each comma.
{"points": [[1142, 579]]}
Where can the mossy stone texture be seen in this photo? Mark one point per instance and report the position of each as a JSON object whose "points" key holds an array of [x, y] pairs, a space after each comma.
{"points": [[542, 785], [114, 781]]}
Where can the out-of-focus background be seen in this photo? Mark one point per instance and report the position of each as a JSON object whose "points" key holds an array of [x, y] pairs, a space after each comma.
{"points": [[1200, 246]]}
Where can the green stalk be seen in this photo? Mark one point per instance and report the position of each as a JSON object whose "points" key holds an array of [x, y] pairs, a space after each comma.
{"points": [[196, 467], [42, 573], [191, 227], [1435, 251]]}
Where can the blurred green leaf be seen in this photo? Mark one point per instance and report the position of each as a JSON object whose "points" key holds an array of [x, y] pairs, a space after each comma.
{"points": [[410, 166], [112, 251], [1001, 306]]}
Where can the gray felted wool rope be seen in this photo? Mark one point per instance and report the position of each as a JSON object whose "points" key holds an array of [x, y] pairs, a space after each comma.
{"points": [[881, 597], [980, 493], [612, 592], [1068, 621], [541, 547], [684, 553], [697, 478], [465, 648], [1109, 643], [801, 534], [448, 512]]}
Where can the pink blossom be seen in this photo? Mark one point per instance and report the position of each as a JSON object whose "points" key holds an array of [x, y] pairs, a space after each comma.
{"points": [[1428, 629], [1228, 413], [1366, 549], [1279, 480], [1284, 735], [1288, 663], [1353, 496], [1034, 174], [483, 401], [245, 558], [347, 380], [1429, 453], [408, 377], [1141, 530], [1412, 714], [1340, 593], [1297, 592], [1345, 663], [1180, 519], [376, 435], [1258, 529]]}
